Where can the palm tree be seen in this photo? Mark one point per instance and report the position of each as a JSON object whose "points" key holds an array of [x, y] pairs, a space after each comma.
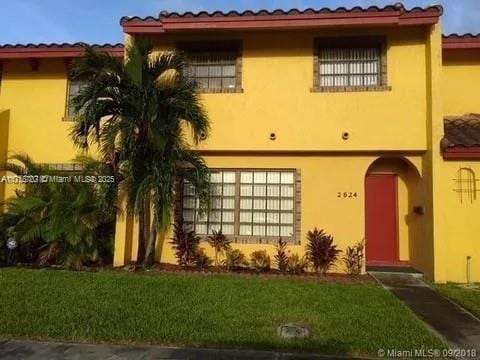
{"points": [[65, 222], [137, 112]]}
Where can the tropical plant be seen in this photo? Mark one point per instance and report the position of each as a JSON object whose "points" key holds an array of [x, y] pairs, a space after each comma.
{"points": [[235, 259], [321, 252], [202, 261], [185, 243], [354, 258], [137, 111], [220, 244], [281, 256], [297, 264], [59, 222], [260, 261]]}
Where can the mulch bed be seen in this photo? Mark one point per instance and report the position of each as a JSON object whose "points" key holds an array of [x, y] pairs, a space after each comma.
{"points": [[162, 268], [175, 269]]}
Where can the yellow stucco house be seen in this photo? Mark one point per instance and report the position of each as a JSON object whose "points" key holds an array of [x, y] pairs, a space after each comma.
{"points": [[359, 121]]}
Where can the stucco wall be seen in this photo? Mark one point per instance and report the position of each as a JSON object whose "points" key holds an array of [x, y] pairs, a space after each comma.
{"points": [[461, 219], [280, 68], [277, 97], [460, 79], [458, 221], [36, 100], [322, 178], [4, 126]]}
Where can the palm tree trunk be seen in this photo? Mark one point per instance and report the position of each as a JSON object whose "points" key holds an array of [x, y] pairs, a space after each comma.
{"points": [[144, 225], [150, 249]]}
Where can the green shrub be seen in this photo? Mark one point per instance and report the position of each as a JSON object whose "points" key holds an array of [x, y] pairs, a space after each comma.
{"points": [[202, 261], [70, 224], [220, 244], [297, 264], [260, 261], [354, 258], [321, 252], [281, 257], [185, 244], [235, 259]]}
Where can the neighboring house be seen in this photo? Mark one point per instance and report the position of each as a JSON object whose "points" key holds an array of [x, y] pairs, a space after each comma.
{"points": [[345, 120]]}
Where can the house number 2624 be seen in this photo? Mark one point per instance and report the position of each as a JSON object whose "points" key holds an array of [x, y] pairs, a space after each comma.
{"points": [[347, 195]]}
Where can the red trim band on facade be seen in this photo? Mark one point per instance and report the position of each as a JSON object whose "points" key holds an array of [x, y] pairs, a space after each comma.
{"points": [[389, 16], [54, 51], [462, 153]]}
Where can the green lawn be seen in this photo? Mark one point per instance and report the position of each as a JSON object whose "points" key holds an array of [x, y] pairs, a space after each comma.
{"points": [[195, 310], [467, 298]]}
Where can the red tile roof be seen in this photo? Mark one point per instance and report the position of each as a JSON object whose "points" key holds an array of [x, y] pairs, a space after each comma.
{"points": [[392, 15], [461, 41], [65, 50], [461, 131], [462, 137]]}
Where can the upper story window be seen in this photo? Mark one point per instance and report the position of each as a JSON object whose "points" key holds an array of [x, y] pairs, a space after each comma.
{"points": [[250, 206], [350, 64], [74, 88], [216, 67]]}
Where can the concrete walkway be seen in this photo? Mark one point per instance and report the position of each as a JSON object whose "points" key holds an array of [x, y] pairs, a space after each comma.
{"points": [[34, 350], [460, 328]]}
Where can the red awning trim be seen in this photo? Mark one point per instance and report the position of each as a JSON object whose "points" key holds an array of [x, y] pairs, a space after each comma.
{"points": [[462, 153]]}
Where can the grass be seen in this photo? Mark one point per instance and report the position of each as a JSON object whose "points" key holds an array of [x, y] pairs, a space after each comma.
{"points": [[211, 311], [467, 298]]}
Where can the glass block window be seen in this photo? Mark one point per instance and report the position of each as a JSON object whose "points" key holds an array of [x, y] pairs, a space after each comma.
{"points": [[248, 204], [214, 70], [221, 213], [349, 66], [74, 88], [267, 203]]}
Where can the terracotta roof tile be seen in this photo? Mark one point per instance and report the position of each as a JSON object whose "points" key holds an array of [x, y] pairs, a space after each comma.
{"points": [[437, 9], [456, 36], [60, 46], [54, 50], [461, 131], [461, 42]]}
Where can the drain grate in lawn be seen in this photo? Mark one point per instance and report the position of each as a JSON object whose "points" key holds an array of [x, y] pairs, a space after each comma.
{"points": [[217, 311]]}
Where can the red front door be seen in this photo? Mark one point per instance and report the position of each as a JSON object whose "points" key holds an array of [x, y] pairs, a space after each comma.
{"points": [[381, 229]]}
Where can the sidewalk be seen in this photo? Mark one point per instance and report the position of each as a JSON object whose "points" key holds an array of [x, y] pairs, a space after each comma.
{"points": [[460, 328], [33, 350]]}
